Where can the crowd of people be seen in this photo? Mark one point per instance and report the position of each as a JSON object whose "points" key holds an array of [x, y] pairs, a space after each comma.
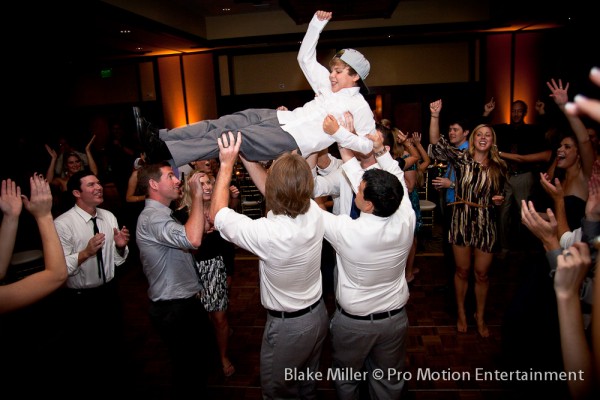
{"points": [[189, 226]]}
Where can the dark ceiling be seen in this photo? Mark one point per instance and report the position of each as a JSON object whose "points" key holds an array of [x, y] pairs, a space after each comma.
{"points": [[91, 30]]}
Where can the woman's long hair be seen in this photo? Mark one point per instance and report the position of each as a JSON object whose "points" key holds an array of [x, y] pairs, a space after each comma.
{"points": [[497, 166]]}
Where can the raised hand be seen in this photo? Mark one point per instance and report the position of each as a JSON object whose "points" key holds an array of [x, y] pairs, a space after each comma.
{"points": [[489, 107], [40, 202], [11, 202], [416, 138], [88, 147], [592, 206], [51, 151], [377, 139], [540, 107], [559, 94], [234, 192], [402, 137], [435, 107], [229, 147], [324, 15]]}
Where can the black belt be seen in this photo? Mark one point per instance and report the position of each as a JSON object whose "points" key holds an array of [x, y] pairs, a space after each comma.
{"points": [[93, 290], [175, 301], [293, 314], [371, 317], [515, 173]]}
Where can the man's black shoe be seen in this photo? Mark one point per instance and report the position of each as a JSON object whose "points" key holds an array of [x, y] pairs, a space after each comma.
{"points": [[156, 150]]}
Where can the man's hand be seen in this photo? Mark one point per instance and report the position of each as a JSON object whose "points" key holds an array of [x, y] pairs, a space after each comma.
{"points": [[229, 148], [559, 94], [348, 122], [489, 107], [121, 236], [435, 107], [330, 125], [194, 184], [540, 107], [377, 139], [234, 192]]}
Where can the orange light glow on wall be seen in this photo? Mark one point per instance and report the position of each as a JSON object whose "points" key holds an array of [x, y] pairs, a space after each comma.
{"points": [[169, 70]]}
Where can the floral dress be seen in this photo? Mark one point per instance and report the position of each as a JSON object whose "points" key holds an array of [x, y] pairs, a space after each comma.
{"points": [[473, 212]]}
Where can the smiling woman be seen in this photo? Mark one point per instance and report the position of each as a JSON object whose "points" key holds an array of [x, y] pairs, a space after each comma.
{"points": [[480, 176]]}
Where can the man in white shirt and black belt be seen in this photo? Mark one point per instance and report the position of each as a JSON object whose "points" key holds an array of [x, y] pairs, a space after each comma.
{"points": [[288, 243], [94, 246], [370, 325]]}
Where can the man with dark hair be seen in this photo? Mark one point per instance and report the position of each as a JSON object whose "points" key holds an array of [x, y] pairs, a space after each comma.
{"points": [[527, 152], [370, 327], [175, 310], [288, 243], [93, 245]]}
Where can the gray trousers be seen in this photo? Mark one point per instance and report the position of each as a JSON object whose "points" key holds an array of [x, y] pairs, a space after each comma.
{"points": [[292, 344], [262, 137], [378, 345]]}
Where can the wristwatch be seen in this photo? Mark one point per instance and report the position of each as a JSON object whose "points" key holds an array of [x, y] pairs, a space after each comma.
{"points": [[452, 185]]}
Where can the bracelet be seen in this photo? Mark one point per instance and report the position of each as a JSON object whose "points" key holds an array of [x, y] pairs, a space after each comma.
{"points": [[380, 153], [435, 116]]}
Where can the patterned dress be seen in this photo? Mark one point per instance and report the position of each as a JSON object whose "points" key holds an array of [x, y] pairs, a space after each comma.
{"points": [[215, 262], [472, 224]]}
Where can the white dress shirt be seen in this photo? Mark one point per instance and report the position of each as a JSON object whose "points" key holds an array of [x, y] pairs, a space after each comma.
{"points": [[75, 229], [289, 250], [332, 181], [371, 251]]}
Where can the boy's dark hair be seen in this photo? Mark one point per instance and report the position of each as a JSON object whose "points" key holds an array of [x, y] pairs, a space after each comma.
{"points": [[384, 190]]}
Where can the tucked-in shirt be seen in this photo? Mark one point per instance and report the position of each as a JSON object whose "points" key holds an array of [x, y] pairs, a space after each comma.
{"points": [[289, 252], [305, 123], [164, 252], [371, 251], [75, 229]]}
